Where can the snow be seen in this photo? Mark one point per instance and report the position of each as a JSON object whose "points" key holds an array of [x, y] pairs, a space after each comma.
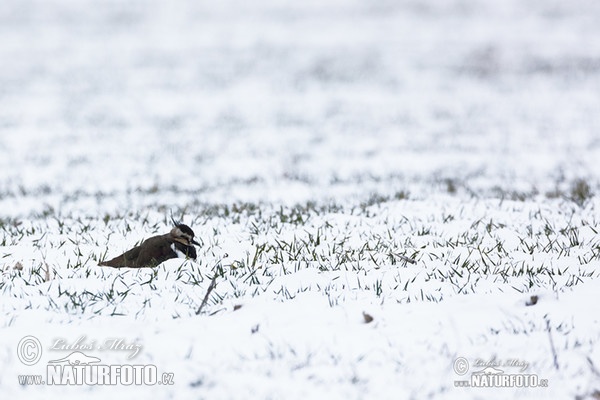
{"points": [[307, 145]]}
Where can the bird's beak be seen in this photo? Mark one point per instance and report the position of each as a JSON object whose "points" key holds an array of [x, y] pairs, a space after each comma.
{"points": [[196, 243]]}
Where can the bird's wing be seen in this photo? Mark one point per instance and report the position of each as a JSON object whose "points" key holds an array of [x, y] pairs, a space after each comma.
{"points": [[155, 250], [127, 259]]}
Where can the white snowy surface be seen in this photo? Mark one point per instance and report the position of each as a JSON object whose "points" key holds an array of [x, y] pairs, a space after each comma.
{"points": [[306, 144]]}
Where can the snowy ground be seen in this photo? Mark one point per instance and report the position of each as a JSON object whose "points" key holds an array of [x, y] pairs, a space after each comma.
{"points": [[308, 145]]}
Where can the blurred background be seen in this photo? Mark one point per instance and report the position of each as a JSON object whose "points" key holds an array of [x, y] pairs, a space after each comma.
{"points": [[113, 105]]}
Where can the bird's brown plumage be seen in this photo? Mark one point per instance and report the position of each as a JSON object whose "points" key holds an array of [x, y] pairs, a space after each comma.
{"points": [[157, 249]]}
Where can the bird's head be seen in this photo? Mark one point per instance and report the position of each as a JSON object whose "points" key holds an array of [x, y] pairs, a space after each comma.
{"points": [[183, 234]]}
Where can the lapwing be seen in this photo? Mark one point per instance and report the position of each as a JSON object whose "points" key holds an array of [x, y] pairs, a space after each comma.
{"points": [[153, 251]]}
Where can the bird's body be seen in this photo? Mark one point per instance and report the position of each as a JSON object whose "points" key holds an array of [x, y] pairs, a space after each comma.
{"points": [[157, 249]]}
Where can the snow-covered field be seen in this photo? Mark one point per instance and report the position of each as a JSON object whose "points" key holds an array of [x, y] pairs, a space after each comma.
{"points": [[310, 145]]}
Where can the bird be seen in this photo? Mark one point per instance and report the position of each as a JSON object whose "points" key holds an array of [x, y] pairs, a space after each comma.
{"points": [[179, 242]]}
